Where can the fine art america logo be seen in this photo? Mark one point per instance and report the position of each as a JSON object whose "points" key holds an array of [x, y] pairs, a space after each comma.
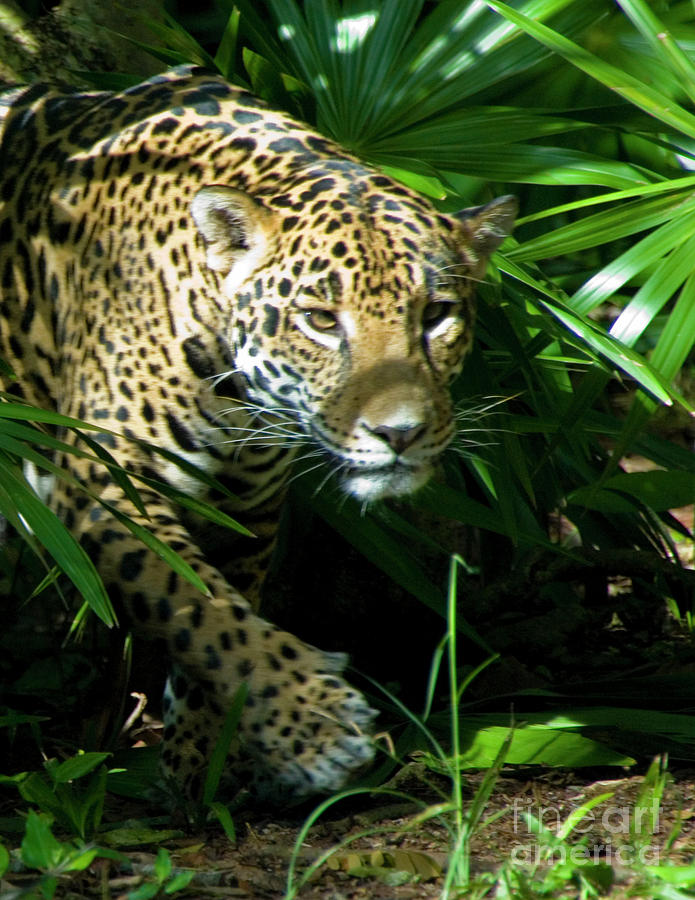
{"points": [[627, 835]]}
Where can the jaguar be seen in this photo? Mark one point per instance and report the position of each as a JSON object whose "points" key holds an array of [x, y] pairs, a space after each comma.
{"points": [[191, 270]]}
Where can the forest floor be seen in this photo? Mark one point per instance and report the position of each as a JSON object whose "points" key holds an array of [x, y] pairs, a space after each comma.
{"points": [[383, 841], [376, 841]]}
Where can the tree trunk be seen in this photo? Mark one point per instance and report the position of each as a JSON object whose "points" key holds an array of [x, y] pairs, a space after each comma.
{"points": [[77, 36]]}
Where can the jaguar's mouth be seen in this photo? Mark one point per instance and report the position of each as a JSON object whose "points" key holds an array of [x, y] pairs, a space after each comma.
{"points": [[382, 477], [393, 480]]}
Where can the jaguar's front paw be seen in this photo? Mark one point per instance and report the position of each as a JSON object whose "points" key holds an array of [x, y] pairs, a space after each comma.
{"points": [[312, 739]]}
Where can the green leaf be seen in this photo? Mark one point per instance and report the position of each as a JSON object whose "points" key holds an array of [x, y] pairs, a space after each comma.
{"points": [[145, 892], [4, 860], [607, 502], [48, 886], [535, 745], [662, 284], [40, 849], [77, 766], [185, 466], [633, 364], [579, 814], [162, 865], [523, 163], [424, 184], [529, 745], [220, 754], [224, 817], [642, 254], [662, 43], [392, 85], [176, 44], [179, 881], [678, 335], [642, 95], [77, 859], [674, 874], [15, 496], [14, 410], [200, 507], [34, 789], [458, 506], [226, 51], [620, 221], [117, 473], [658, 489]]}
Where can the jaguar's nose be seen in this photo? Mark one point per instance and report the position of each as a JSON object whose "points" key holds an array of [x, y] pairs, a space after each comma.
{"points": [[399, 437]]}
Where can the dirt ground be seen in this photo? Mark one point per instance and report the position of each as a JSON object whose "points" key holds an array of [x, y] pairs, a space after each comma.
{"points": [[377, 841], [386, 839]]}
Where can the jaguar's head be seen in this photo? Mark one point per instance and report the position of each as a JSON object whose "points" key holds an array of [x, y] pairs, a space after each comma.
{"points": [[352, 306]]}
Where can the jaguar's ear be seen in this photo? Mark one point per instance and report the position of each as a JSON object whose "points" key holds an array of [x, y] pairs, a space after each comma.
{"points": [[485, 227], [232, 224]]}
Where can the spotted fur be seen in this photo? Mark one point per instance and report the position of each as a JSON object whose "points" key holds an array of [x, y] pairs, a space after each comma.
{"points": [[182, 265]]}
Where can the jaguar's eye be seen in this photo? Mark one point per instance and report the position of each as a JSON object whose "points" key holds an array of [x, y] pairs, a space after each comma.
{"points": [[322, 320], [436, 312]]}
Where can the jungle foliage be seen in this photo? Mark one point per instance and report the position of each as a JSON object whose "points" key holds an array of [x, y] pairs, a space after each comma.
{"points": [[586, 324]]}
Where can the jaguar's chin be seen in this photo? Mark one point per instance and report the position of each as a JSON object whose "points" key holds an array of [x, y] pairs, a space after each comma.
{"points": [[396, 480]]}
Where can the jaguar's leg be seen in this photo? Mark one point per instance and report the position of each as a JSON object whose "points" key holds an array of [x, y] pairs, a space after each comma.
{"points": [[303, 725]]}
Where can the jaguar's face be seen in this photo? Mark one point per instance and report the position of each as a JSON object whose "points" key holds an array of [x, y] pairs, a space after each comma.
{"points": [[374, 352], [357, 320]]}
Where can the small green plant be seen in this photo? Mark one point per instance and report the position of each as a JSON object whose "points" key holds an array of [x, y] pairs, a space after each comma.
{"points": [[166, 882], [70, 795], [557, 862], [72, 792], [41, 850], [54, 859]]}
